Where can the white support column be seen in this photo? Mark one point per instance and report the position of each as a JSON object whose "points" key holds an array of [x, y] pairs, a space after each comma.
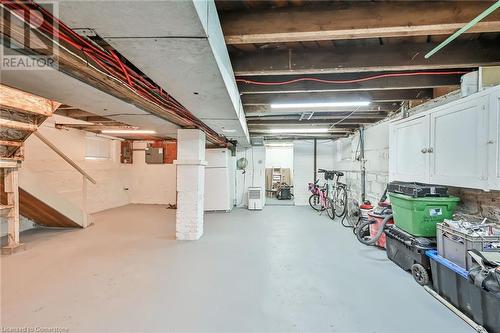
{"points": [[190, 183]]}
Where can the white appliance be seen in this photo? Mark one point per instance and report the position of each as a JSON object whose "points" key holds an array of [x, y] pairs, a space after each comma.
{"points": [[219, 180], [255, 198]]}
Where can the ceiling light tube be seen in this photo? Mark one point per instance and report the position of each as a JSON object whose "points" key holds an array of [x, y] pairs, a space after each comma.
{"points": [[318, 105], [128, 131], [299, 130]]}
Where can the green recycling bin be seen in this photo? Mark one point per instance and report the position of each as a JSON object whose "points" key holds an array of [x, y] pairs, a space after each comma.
{"points": [[419, 216]]}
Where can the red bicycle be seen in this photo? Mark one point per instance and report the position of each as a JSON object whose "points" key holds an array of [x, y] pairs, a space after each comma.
{"points": [[319, 199]]}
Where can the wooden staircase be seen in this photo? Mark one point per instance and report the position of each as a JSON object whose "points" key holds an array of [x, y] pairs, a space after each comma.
{"points": [[21, 114]]}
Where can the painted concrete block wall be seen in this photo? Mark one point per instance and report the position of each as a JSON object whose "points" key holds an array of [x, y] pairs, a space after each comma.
{"points": [[55, 173], [377, 161], [149, 183], [279, 157], [254, 175], [303, 166]]}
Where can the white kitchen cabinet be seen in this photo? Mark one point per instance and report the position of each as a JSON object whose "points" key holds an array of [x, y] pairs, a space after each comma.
{"points": [[458, 144], [455, 144], [494, 141], [409, 141]]}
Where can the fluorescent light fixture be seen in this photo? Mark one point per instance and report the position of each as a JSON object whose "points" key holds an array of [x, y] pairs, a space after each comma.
{"points": [[96, 158], [228, 130], [132, 131], [299, 130], [318, 105]]}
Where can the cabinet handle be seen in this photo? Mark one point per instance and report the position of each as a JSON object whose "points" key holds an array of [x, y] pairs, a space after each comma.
{"points": [[430, 150], [490, 142], [424, 150]]}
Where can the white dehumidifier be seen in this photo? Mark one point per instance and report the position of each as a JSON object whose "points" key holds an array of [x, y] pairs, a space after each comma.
{"points": [[255, 198]]}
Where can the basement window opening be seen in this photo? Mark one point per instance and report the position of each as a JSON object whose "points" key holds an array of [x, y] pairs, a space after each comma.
{"points": [[97, 148]]}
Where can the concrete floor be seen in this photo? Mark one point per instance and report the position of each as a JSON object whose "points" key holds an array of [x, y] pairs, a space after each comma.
{"points": [[275, 202], [280, 269]]}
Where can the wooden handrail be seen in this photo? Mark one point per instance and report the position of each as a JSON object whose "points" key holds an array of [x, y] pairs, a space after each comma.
{"points": [[64, 157]]}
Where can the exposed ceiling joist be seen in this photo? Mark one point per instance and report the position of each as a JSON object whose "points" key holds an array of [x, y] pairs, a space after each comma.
{"points": [[391, 57], [374, 96], [358, 20], [269, 84]]}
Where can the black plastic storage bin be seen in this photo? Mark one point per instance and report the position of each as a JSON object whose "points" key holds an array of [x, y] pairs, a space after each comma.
{"points": [[408, 252], [450, 281], [417, 190]]}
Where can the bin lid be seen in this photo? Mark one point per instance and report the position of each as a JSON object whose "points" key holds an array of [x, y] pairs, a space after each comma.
{"points": [[423, 199], [421, 243]]}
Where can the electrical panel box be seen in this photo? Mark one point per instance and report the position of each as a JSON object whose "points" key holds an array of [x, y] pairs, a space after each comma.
{"points": [[126, 152], [154, 155]]}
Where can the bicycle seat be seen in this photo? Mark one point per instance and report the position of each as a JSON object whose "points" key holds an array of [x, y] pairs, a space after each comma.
{"points": [[329, 175], [339, 173]]}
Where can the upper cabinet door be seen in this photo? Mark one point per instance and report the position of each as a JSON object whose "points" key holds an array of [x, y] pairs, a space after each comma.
{"points": [[459, 144], [494, 142], [408, 146]]}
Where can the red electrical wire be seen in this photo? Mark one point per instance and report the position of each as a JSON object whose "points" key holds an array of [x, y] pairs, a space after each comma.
{"points": [[368, 78], [122, 67]]}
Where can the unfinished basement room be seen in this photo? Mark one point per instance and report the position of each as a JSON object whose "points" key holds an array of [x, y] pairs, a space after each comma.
{"points": [[250, 166]]}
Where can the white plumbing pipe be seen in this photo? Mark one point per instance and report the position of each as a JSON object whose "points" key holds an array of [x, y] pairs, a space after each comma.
{"points": [[456, 311]]}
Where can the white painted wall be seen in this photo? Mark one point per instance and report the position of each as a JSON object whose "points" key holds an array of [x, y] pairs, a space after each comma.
{"points": [[149, 183], [303, 165], [54, 172], [279, 157], [377, 161], [146, 183], [254, 175]]}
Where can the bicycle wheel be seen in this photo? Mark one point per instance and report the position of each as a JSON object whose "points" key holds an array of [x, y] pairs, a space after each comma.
{"points": [[352, 216], [340, 201], [315, 202], [330, 208]]}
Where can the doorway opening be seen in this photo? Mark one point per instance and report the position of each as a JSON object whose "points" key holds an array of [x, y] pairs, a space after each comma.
{"points": [[279, 174]]}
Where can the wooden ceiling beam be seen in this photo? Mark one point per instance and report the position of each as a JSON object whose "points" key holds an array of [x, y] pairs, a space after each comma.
{"points": [[15, 99], [352, 59], [374, 96], [385, 83], [354, 20], [17, 125]]}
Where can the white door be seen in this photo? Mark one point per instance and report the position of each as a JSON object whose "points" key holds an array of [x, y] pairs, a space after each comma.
{"points": [[494, 142], [458, 149], [408, 144]]}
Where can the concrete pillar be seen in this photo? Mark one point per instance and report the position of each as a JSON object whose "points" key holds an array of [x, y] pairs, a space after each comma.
{"points": [[190, 183]]}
